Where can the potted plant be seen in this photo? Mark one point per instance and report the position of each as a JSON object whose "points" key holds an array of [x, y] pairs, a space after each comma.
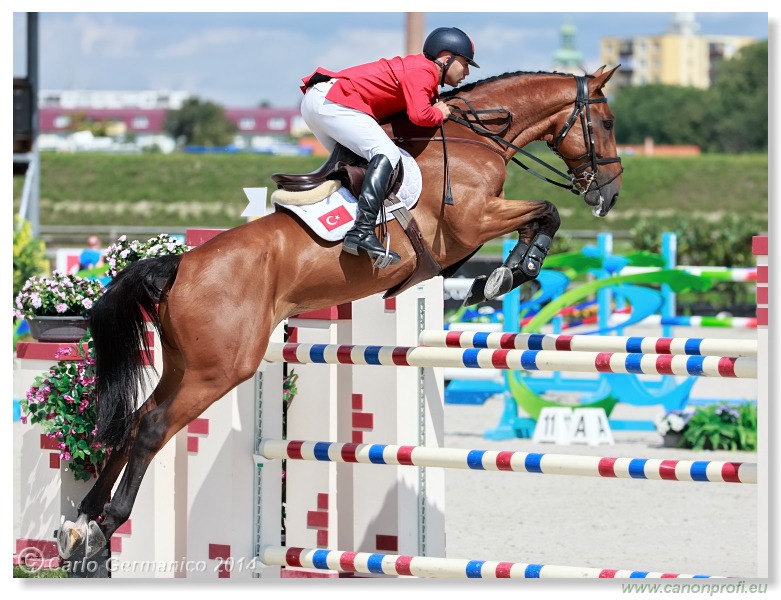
{"points": [[722, 427], [62, 403], [123, 252], [57, 306], [671, 425]]}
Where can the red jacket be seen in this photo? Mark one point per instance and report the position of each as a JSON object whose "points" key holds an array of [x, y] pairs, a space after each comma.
{"points": [[387, 87]]}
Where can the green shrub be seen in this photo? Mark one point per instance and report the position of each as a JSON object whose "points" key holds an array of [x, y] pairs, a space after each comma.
{"points": [[701, 242], [722, 427], [29, 254]]}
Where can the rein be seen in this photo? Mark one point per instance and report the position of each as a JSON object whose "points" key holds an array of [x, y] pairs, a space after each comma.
{"points": [[581, 110]]}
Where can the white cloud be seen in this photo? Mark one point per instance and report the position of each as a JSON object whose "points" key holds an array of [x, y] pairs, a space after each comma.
{"points": [[243, 58]]}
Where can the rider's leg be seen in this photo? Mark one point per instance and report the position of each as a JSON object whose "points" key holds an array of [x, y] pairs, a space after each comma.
{"points": [[363, 135], [375, 186], [311, 111]]}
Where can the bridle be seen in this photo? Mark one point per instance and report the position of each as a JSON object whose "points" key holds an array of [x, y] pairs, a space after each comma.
{"points": [[581, 110]]}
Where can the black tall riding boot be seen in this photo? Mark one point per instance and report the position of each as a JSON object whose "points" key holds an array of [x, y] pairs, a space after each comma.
{"points": [[361, 236]]}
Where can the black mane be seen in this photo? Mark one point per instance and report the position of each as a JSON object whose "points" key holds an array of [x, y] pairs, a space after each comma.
{"points": [[470, 86]]}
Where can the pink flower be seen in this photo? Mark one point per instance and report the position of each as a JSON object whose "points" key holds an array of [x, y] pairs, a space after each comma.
{"points": [[23, 419], [61, 308], [66, 351]]}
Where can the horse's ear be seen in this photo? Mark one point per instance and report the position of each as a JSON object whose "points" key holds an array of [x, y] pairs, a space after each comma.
{"points": [[601, 77]]}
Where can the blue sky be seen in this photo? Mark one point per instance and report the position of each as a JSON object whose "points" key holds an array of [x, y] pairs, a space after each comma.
{"points": [[243, 58]]}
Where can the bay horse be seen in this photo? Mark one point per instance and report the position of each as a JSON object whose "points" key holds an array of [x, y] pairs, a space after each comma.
{"points": [[264, 271]]}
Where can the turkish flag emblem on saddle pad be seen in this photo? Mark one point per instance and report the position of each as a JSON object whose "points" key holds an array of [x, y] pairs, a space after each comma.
{"points": [[335, 218]]}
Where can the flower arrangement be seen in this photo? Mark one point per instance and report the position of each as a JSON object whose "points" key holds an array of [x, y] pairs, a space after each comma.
{"points": [[60, 294], [715, 427], [289, 389], [124, 252], [62, 402], [673, 421]]}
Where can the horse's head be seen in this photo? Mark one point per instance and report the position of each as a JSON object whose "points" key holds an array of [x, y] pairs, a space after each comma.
{"points": [[586, 143]]}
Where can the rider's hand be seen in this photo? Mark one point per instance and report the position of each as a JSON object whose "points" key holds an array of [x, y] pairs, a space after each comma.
{"points": [[443, 108]]}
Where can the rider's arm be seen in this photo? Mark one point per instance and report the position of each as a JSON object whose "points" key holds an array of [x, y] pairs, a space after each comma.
{"points": [[420, 88]]}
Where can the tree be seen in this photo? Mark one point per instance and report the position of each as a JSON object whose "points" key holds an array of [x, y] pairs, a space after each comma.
{"points": [[201, 123], [666, 113], [731, 116], [738, 101]]}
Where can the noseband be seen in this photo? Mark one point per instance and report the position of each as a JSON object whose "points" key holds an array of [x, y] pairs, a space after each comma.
{"points": [[581, 110]]}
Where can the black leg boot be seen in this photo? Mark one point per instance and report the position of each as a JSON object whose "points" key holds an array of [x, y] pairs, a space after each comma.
{"points": [[361, 236], [488, 287], [501, 280], [522, 265]]}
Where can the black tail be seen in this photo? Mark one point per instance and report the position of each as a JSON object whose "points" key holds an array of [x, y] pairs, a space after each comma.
{"points": [[117, 324]]}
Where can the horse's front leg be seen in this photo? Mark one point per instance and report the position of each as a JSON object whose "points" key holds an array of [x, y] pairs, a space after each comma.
{"points": [[536, 223]]}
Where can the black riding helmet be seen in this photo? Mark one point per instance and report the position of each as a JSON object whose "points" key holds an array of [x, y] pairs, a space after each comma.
{"points": [[451, 39]]}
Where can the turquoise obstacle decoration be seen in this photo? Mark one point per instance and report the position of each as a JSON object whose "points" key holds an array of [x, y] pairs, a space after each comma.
{"points": [[607, 389]]}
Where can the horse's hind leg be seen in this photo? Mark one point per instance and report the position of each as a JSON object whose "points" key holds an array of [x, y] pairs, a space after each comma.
{"points": [[192, 397], [72, 535]]}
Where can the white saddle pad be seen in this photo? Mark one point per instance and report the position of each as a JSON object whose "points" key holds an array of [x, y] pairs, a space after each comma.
{"points": [[333, 216]]}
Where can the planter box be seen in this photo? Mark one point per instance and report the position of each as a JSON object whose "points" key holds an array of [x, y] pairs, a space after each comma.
{"points": [[58, 329]]}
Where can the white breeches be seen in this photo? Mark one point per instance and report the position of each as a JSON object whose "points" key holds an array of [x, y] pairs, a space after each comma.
{"points": [[332, 122]]}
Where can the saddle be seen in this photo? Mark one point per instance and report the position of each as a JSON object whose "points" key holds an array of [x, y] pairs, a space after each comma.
{"points": [[343, 165], [349, 169]]}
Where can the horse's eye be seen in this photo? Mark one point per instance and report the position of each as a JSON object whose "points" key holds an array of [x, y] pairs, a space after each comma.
{"points": [[608, 124]]}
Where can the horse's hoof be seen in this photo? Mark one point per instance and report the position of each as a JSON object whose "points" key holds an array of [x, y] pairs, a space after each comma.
{"points": [[498, 283], [70, 537], [476, 293], [96, 539]]}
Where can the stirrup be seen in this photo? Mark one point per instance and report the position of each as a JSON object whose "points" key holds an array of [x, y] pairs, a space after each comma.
{"points": [[382, 259], [388, 259]]}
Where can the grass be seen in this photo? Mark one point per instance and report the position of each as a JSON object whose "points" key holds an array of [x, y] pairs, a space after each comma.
{"points": [[22, 573], [206, 190]]}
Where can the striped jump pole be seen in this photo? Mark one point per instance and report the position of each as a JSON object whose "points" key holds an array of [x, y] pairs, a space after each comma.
{"points": [[426, 566], [589, 343], [519, 462], [527, 360]]}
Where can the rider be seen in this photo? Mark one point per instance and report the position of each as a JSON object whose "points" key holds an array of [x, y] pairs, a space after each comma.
{"points": [[347, 106]]}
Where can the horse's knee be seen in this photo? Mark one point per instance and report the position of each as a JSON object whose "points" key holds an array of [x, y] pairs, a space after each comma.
{"points": [[552, 217]]}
